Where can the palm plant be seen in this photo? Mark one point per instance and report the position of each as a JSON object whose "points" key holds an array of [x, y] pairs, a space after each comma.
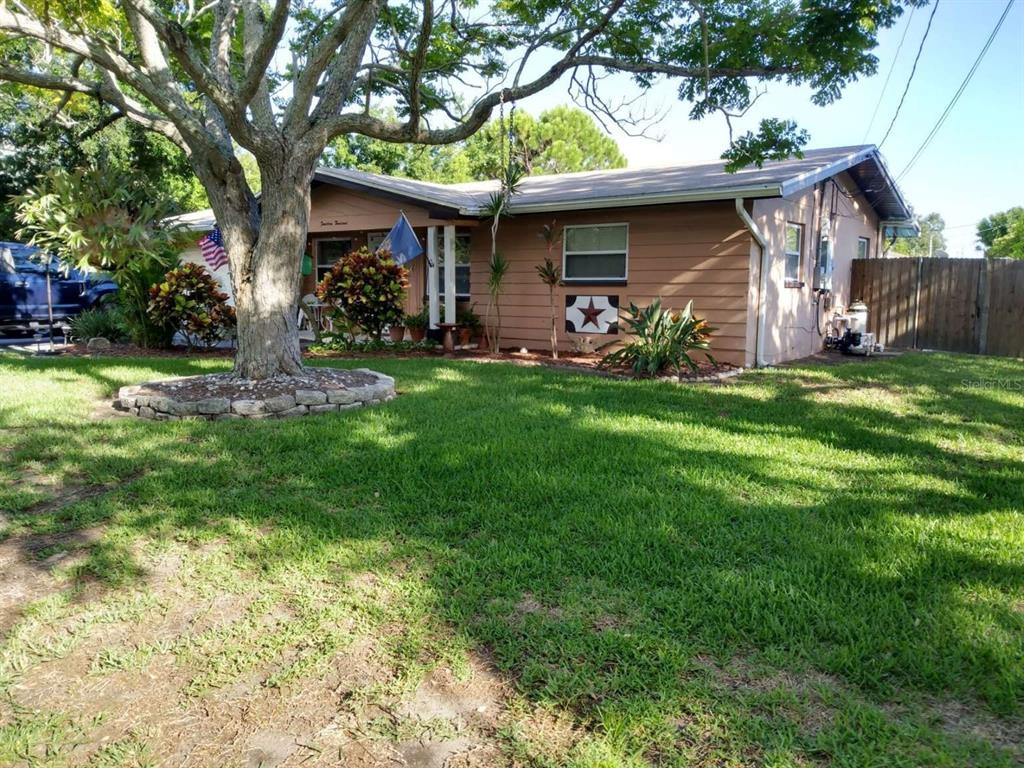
{"points": [[551, 275], [662, 340], [498, 265]]}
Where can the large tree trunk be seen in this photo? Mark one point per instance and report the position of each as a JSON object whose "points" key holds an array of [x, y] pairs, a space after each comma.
{"points": [[266, 275]]}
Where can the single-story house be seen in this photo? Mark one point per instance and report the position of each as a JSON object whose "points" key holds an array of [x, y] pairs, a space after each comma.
{"points": [[752, 249]]}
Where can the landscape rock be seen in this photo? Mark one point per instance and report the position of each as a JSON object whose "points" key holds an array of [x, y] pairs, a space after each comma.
{"points": [[280, 403], [97, 344], [325, 408], [342, 396], [213, 406], [249, 407], [310, 397]]}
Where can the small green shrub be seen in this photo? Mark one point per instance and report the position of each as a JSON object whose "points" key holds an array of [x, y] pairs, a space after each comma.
{"points": [[467, 318], [368, 289], [420, 319], [662, 341], [189, 301], [106, 320]]}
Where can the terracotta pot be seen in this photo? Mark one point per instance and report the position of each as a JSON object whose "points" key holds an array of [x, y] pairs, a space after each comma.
{"points": [[417, 334], [464, 336], [397, 332], [481, 341]]}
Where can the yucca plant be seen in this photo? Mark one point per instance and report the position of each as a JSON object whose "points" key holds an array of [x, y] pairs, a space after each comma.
{"points": [[662, 341]]}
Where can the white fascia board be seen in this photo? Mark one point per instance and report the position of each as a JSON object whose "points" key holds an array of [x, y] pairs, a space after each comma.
{"points": [[810, 178], [639, 201]]}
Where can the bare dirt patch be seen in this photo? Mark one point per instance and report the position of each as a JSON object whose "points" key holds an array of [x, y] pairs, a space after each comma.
{"points": [[528, 605]]}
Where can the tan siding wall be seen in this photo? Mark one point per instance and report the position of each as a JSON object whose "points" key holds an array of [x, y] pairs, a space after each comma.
{"points": [[334, 209], [699, 251], [791, 330]]}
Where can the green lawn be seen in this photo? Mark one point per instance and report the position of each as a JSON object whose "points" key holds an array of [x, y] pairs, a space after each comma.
{"points": [[818, 565]]}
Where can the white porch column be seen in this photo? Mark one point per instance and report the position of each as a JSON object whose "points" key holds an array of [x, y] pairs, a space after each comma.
{"points": [[432, 298], [449, 273]]}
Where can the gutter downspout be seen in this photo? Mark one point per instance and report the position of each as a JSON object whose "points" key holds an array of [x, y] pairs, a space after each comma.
{"points": [[762, 286]]}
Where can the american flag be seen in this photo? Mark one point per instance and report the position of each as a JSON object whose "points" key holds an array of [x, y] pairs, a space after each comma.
{"points": [[212, 247]]}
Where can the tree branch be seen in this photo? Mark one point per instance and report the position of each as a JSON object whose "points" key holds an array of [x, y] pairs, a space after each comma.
{"points": [[260, 56], [353, 21]]}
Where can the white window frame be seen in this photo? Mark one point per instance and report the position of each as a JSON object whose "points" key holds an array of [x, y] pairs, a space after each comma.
{"points": [[793, 282], [867, 246], [468, 265], [317, 266], [594, 280]]}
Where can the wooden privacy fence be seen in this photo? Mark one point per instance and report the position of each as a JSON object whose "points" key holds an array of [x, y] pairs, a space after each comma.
{"points": [[957, 305]]}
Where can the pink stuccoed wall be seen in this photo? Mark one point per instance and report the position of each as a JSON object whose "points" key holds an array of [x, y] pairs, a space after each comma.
{"points": [[790, 330]]}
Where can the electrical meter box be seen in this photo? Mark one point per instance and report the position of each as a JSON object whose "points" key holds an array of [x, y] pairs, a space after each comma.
{"points": [[823, 259]]}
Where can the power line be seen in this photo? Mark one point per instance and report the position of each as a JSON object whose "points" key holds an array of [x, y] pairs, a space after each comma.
{"points": [[913, 69], [959, 92], [892, 67]]}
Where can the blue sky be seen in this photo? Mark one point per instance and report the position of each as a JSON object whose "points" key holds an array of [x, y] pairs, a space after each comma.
{"points": [[973, 167]]}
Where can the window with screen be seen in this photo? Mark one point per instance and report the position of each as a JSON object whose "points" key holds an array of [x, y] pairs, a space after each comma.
{"points": [[327, 253], [595, 253], [794, 253], [462, 267]]}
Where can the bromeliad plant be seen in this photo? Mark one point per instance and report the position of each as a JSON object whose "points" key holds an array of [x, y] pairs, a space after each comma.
{"points": [[189, 301], [662, 341], [366, 289]]}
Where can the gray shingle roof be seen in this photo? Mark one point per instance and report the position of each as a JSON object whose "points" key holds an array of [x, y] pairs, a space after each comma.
{"points": [[636, 186], [645, 186]]}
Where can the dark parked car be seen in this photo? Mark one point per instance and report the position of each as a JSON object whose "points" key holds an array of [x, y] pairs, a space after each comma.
{"points": [[23, 289]]}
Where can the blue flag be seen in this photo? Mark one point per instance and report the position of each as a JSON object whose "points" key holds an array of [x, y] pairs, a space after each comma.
{"points": [[401, 241]]}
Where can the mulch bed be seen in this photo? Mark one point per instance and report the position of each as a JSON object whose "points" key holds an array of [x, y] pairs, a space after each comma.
{"points": [[229, 386]]}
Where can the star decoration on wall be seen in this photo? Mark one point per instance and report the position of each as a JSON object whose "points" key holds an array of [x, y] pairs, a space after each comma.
{"points": [[592, 314]]}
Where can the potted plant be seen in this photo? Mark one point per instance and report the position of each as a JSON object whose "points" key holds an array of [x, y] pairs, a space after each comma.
{"points": [[470, 324], [397, 332], [417, 324]]}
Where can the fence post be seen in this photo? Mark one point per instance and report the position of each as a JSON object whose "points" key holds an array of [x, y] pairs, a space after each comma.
{"points": [[984, 302], [917, 298]]}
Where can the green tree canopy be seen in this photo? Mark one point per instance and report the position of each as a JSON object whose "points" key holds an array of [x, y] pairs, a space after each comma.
{"points": [[561, 140], [1002, 234], [38, 137], [929, 242]]}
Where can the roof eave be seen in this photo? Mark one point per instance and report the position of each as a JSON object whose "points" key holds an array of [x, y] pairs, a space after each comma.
{"points": [[810, 178], [633, 201], [446, 208], [805, 180]]}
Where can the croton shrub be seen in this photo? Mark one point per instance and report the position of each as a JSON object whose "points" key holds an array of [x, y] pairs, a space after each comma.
{"points": [[367, 289], [189, 301]]}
